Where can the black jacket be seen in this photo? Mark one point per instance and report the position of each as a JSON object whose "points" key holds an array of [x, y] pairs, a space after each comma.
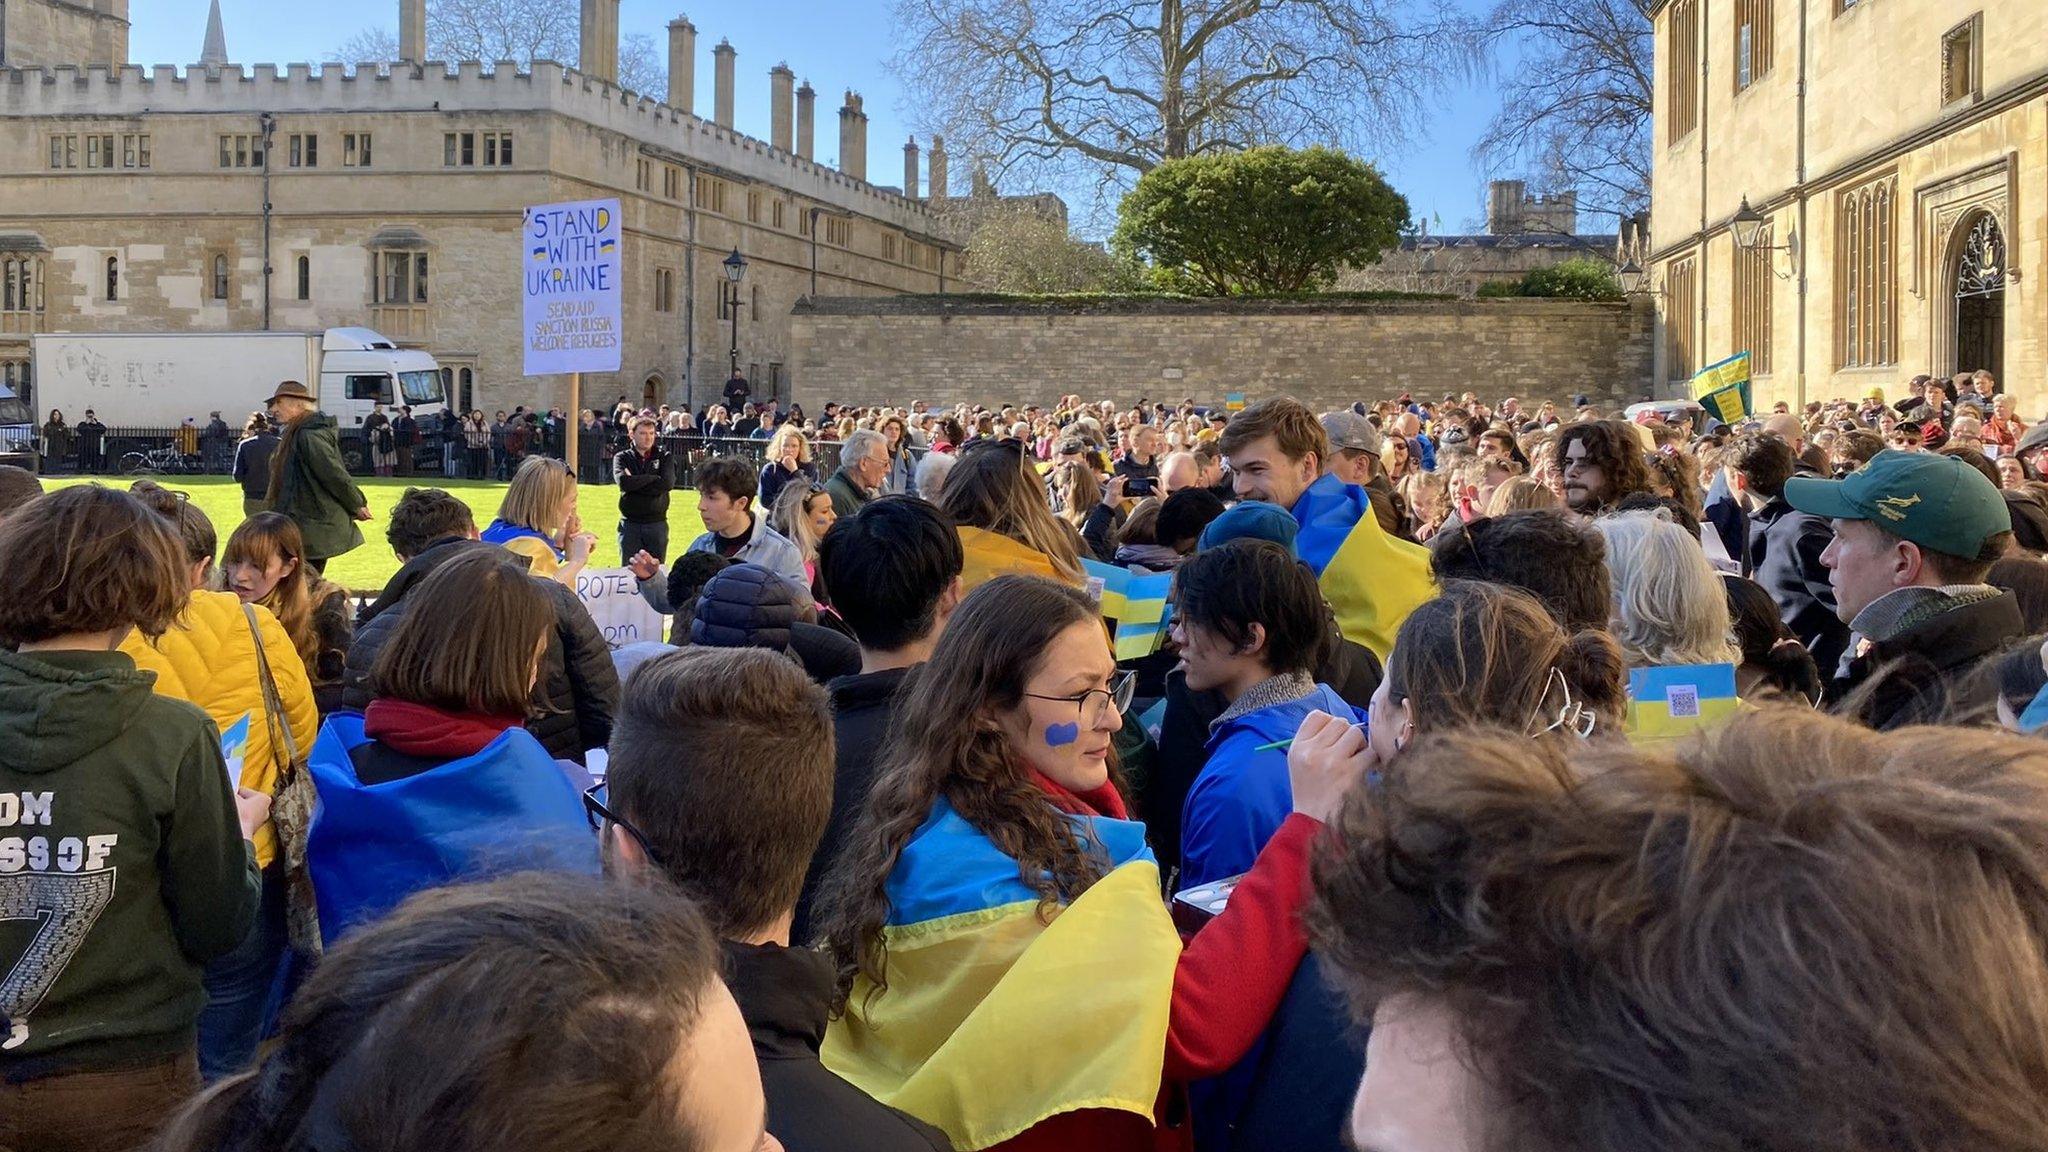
{"points": [[863, 712], [578, 692], [784, 995], [1784, 557], [1934, 672], [1352, 670], [748, 606], [644, 483]]}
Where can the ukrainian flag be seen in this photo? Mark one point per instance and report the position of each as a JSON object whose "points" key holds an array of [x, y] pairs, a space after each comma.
{"points": [[1665, 703], [1145, 616], [1372, 580], [1111, 585], [994, 1020], [988, 555], [1722, 388]]}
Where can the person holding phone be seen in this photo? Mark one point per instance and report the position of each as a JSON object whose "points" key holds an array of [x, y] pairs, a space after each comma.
{"points": [[1139, 467]]}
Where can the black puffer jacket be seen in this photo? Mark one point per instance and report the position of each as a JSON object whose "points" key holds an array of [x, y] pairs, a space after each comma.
{"points": [[578, 692], [748, 606]]}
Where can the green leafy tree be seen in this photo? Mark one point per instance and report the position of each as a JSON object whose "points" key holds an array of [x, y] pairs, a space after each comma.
{"points": [[1580, 279], [1265, 220]]}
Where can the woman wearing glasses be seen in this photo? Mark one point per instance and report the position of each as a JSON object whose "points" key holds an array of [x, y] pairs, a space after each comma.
{"points": [[438, 779], [1007, 969]]}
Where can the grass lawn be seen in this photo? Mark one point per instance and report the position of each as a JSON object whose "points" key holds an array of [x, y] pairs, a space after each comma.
{"points": [[368, 567]]}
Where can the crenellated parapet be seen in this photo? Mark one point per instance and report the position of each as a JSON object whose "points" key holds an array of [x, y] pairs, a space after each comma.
{"points": [[469, 86]]}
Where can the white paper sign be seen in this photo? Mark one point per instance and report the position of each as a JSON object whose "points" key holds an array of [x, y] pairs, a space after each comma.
{"points": [[613, 597], [571, 257]]}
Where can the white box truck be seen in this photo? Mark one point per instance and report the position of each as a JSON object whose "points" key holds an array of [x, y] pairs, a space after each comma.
{"points": [[156, 380]]}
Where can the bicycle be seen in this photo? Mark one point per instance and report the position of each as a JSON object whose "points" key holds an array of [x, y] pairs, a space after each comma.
{"points": [[160, 461]]}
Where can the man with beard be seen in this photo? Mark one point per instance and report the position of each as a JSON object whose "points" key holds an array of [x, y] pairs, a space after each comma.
{"points": [[1601, 463]]}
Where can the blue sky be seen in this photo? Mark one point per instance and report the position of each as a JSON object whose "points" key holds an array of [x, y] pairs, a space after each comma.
{"points": [[836, 46]]}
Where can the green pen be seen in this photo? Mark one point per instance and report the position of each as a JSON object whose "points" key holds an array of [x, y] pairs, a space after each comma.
{"points": [[1277, 745]]}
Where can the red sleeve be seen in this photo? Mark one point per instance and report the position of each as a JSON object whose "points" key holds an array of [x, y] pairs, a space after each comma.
{"points": [[1233, 974]]}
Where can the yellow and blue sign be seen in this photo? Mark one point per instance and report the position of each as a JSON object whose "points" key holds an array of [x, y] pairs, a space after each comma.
{"points": [[1722, 388], [1668, 702], [573, 282], [1146, 616]]}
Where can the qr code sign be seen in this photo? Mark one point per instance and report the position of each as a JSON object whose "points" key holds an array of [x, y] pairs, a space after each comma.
{"points": [[1684, 700]]}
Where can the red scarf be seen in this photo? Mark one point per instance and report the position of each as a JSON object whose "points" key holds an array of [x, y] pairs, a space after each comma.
{"points": [[1100, 801], [423, 730]]}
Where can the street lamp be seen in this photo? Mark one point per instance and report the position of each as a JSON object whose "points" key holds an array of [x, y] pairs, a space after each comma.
{"points": [[735, 271], [1748, 225], [1634, 277]]}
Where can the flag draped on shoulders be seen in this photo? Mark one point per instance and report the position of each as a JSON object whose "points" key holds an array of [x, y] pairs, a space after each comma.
{"points": [[1371, 579], [993, 1020], [987, 555]]}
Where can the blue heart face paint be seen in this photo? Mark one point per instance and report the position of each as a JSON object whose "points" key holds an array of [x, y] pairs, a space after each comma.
{"points": [[1061, 735]]}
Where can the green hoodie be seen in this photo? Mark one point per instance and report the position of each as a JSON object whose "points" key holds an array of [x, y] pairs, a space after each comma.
{"points": [[122, 864]]}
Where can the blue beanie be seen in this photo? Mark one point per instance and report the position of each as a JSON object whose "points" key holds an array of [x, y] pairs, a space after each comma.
{"points": [[1251, 520]]}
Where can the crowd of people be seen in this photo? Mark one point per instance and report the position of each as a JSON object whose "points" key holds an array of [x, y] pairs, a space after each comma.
{"points": [[1480, 776]]}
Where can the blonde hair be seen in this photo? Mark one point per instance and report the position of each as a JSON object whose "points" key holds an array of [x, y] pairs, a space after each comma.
{"points": [[791, 516], [535, 498], [1520, 494], [992, 488], [781, 439], [1669, 606]]}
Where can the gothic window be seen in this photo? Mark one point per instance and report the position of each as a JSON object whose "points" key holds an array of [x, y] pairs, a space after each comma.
{"points": [[1752, 41], [1866, 277], [1982, 270], [1962, 62], [1682, 310], [305, 267], [1752, 303], [220, 277], [1682, 92], [21, 284], [113, 278], [399, 277]]}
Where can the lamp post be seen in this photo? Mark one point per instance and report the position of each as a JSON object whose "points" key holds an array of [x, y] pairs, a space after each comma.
{"points": [[1748, 225], [1634, 277], [735, 271]]}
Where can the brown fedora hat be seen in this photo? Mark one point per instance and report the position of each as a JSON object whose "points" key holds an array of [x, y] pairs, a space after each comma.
{"points": [[292, 390]]}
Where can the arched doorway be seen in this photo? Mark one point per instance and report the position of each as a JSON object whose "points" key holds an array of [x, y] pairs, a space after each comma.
{"points": [[650, 392], [1979, 284]]}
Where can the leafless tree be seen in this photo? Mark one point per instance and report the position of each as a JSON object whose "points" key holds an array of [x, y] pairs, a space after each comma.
{"points": [[1072, 92], [1575, 109], [521, 30]]}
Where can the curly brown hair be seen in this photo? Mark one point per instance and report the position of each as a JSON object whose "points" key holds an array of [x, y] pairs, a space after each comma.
{"points": [[1613, 447], [1714, 944], [947, 744]]}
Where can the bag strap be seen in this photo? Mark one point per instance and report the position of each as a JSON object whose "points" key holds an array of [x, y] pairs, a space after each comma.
{"points": [[274, 722]]}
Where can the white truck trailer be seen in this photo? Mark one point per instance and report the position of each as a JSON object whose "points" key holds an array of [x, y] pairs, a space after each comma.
{"points": [[156, 380]]}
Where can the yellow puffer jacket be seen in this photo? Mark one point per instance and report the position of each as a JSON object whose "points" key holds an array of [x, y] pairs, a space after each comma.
{"points": [[209, 659]]}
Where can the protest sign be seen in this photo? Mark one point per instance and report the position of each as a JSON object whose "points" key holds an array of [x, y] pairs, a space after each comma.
{"points": [[1723, 388], [612, 596], [572, 258]]}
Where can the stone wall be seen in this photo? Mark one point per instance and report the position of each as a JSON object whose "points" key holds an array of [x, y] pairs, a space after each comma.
{"points": [[1327, 353]]}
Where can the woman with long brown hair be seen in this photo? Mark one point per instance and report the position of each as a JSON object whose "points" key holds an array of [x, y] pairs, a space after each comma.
{"points": [[995, 873], [1006, 523], [443, 754], [265, 563]]}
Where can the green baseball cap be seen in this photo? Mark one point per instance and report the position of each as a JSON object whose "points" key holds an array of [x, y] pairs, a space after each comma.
{"points": [[1937, 502]]}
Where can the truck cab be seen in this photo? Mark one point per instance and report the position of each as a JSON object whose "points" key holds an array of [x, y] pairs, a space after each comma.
{"points": [[361, 368]]}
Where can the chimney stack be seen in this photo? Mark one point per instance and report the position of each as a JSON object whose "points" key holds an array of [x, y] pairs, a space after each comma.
{"points": [[853, 138], [722, 59], [937, 176], [910, 168], [598, 40], [412, 30], [806, 121], [781, 111], [682, 64]]}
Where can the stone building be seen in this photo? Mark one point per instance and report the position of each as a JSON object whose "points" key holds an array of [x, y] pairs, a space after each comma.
{"points": [[1524, 232], [390, 195], [1892, 155]]}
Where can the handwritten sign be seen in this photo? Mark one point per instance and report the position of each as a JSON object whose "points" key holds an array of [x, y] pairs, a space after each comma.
{"points": [[612, 596], [571, 259]]}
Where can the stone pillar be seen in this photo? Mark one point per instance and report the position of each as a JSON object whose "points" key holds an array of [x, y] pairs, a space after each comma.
{"points": [[682, 64], [937, 176], [806, 121], [598, 40], [723, 58], [781, 107], [910, 168], [853, 154]]}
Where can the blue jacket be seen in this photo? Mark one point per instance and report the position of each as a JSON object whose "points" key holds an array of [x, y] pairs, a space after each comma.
{"points": [[508, 808], [1242, 795], [1235, 806]]}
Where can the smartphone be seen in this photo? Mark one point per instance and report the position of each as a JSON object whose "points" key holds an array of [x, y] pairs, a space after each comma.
{"points": [[1195, 907], [1138, 486]]}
